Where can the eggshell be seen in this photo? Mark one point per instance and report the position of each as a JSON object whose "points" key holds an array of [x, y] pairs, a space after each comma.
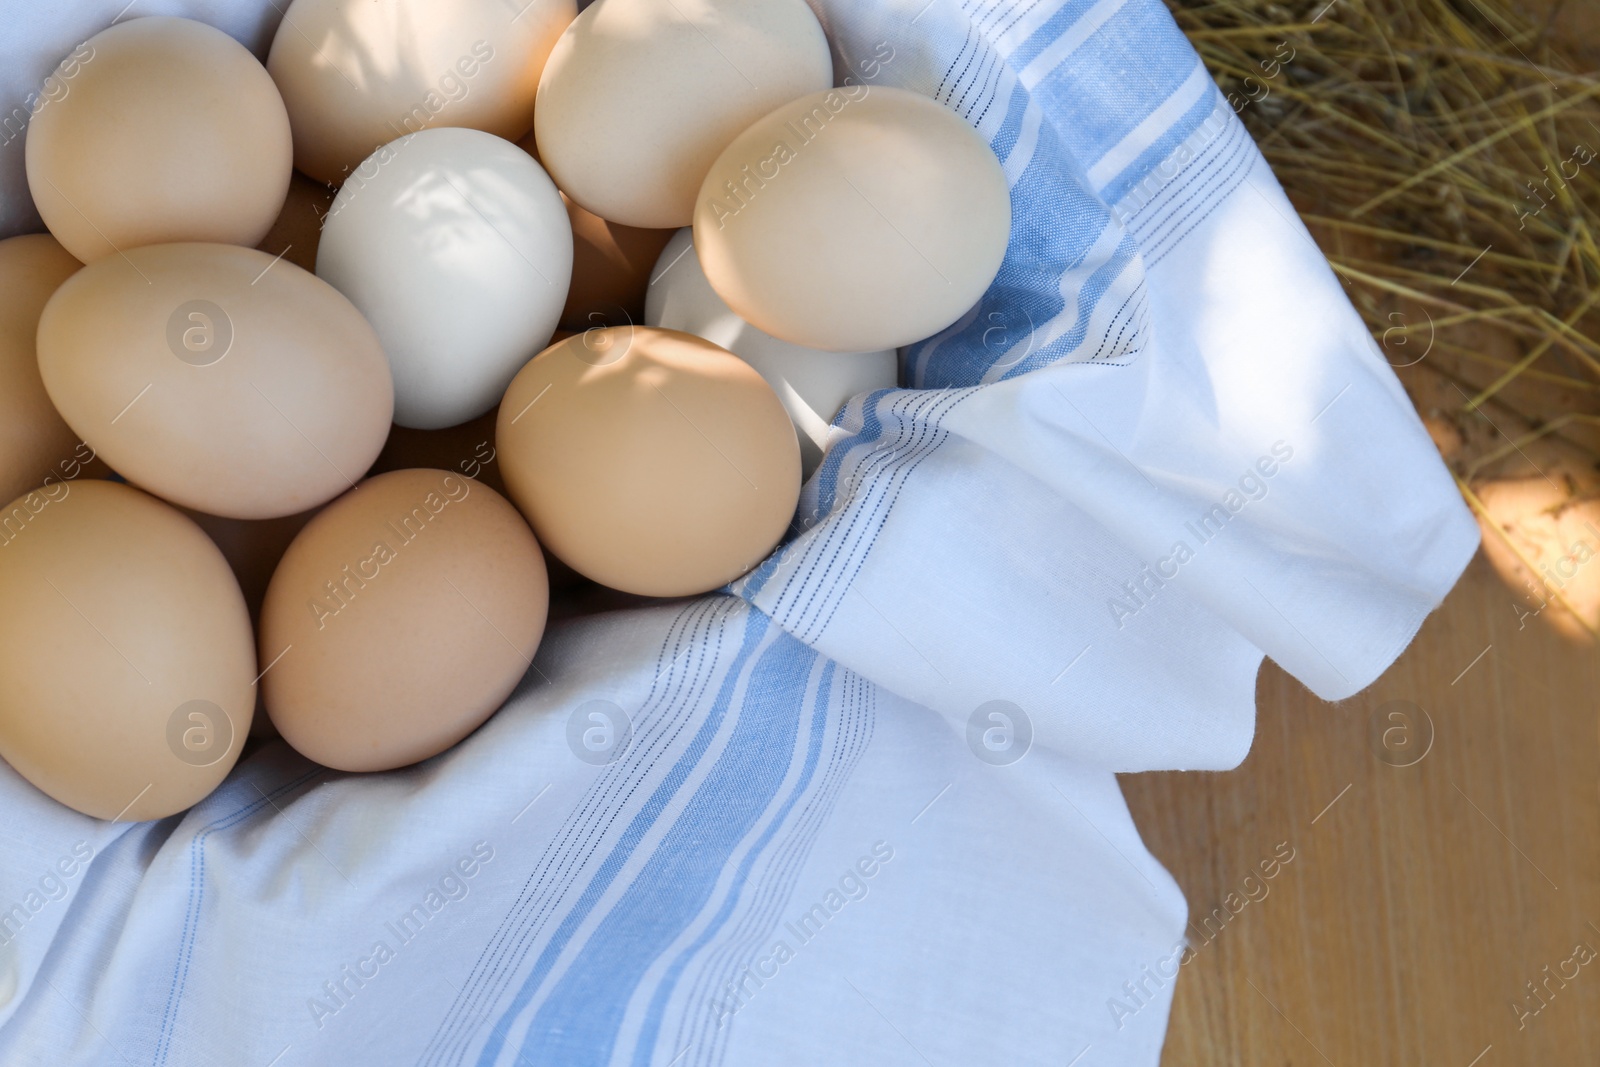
{"points": [[217, 378], [297, 230], [126, 661], [649, 460], [169, 130], [855, 219], [400, 618], [611, 266], [36, 444], [356, 75], [456, 247], [812, 384], [639, 96]]}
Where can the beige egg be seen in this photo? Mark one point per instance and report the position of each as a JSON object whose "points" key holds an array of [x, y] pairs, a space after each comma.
{"points": [[297, 230], [126, 661], [356, 75], [399, 620], [168, 130], [639, 96], [36, 444], [217, 378], [649, 460], [855, 219]]}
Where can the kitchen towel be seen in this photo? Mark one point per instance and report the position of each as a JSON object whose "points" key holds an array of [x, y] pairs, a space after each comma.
{"points": [[860, 806]]}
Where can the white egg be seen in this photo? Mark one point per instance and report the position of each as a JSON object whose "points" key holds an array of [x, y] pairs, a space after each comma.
{"points": [[455, 245], [812, 384]]}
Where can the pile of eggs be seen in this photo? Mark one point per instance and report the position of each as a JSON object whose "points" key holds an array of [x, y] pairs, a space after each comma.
{"points": [[592, 285]]}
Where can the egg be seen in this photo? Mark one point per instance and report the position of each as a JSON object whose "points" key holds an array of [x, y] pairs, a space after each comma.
{"points": [[649, 460], [297, 230], [217, 377], [169, 130], [812, 384], [127, 666], [611, 266], [855, 219], [400, 618], [639, 96], [355, 75], [36, 445], [456, 247]]}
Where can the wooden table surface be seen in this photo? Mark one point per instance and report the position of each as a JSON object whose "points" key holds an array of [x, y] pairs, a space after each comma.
{"points": [[1430, 882]]}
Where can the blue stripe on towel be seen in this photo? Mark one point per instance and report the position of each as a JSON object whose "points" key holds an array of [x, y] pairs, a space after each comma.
{"points": [[578, 1023], [622, 852], [650, 1030]]}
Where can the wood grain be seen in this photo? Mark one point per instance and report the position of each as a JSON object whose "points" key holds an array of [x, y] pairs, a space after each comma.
{"points": [[1421, 899]]}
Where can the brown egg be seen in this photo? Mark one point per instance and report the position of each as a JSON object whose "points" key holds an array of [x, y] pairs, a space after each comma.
{"points": [[401, 617], [36, 444], [298, 229], [611, 265], [466, 449], [169, 130], [218, 378], [356, 75], [126, 661], [649, 460]]}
